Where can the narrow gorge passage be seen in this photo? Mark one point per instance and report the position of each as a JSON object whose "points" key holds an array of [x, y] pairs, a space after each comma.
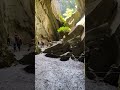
{"points": [[59, 59]]}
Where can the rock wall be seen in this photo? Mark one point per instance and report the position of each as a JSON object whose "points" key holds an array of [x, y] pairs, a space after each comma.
{"points": [[81, 6], [102, 47], [45, 21], [15, 16], [99, 12], [2, 30], [18, 16]]}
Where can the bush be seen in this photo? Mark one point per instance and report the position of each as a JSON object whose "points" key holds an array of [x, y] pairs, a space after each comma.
{"points": [[63, 20], [64, 29]]}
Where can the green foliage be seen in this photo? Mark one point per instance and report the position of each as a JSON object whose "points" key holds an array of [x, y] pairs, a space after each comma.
{"points": [[64, 29], [63, 20], [68, 13]]}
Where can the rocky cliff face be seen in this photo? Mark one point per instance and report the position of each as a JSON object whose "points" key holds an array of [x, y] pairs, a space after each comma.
{"points": [[99, 12], [102, 46], [15, 16], [47, 18], [18, 16], [45, 21]]}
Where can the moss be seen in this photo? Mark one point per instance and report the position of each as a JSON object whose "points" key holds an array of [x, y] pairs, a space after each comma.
{"points": [[64, 29]]}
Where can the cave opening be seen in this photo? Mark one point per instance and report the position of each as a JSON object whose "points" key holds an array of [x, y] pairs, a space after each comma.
{"points": [[65, 8]]}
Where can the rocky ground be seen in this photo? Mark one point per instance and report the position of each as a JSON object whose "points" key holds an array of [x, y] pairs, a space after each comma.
{"points": [[15, 77], [53, 74], [96, 85]]}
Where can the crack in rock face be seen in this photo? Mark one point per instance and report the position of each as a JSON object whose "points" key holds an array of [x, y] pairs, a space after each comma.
{"points": [[53, 74]]}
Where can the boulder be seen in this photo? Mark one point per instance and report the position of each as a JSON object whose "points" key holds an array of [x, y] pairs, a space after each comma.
{"points": [[30, 69], [65, 57], [6, 58], [77, 48], [52, 55], [103, 55], [28, 59], [82, 58], [76, 31], [103, 49], [71, 43], [58, 49], [113, 76]]}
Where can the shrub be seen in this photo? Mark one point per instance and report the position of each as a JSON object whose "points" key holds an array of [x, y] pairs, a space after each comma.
{"points": [[64, 29], [63, 21]]}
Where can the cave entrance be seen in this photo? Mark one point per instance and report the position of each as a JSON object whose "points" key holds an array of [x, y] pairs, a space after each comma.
{"points": [[64, 8], [70, 11]]}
